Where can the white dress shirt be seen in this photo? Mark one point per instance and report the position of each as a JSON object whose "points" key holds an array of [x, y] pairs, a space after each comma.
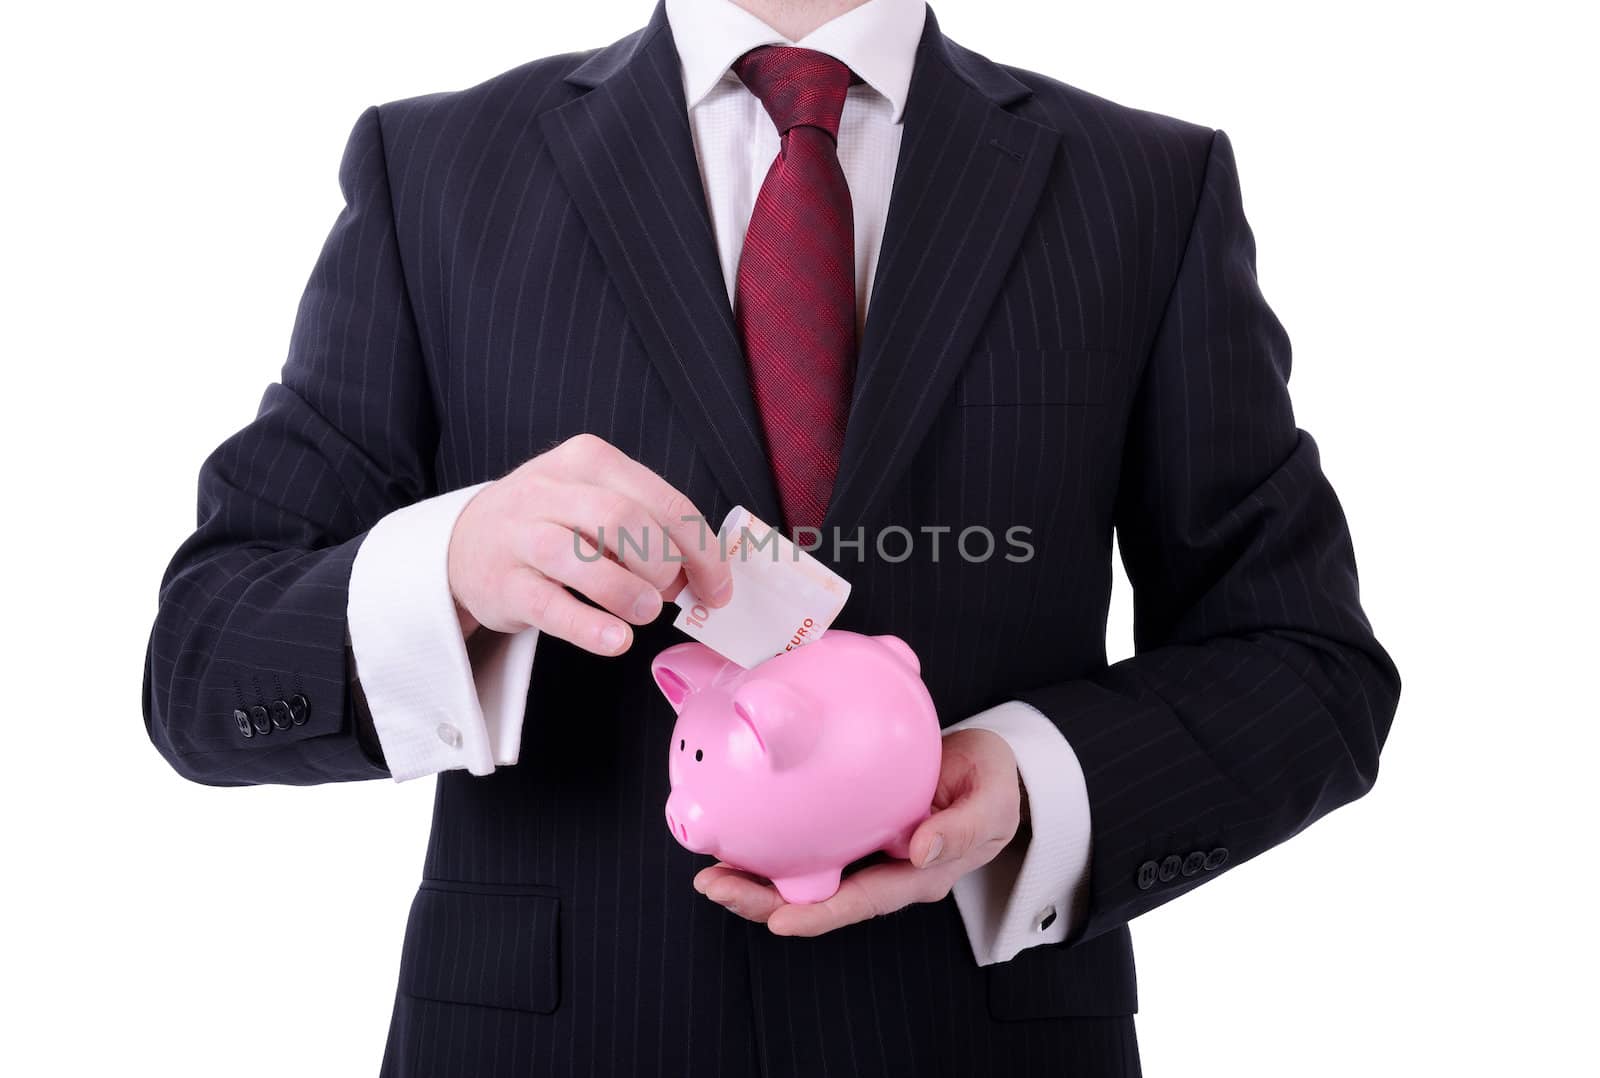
{"points": [[440, 703]]}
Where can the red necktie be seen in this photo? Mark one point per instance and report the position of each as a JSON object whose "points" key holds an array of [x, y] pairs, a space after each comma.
{"points": [[795, 299]]}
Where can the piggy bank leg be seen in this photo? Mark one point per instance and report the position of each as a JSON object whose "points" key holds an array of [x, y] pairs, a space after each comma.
{"points": [[816, 887]]}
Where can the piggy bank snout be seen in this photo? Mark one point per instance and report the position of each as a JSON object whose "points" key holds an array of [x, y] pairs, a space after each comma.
{"points": [[676, 826], [687, 823]]}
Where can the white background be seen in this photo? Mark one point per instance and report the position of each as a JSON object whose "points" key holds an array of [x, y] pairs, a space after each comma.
{"points": [[1421, 182]]}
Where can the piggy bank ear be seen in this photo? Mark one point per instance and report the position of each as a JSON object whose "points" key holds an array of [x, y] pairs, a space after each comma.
{"points": [[785, 721], [685, 669], [902, 651]]}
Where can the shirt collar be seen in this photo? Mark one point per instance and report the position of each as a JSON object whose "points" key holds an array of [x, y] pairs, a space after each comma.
{"points": [[878, 41]]}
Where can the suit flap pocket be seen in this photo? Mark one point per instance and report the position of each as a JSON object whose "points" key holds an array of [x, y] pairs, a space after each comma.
{"points": [[494, 947], [1092, 978], [1040, 376]]}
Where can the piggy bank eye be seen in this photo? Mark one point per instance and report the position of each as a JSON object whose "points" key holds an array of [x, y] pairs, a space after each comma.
{"points": [[699, 755], [680, 744]]}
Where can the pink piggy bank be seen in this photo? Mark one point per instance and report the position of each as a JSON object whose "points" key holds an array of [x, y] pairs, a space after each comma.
{"points": [[797, 767]]}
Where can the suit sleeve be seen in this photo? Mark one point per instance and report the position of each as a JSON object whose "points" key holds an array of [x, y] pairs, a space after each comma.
{"points": [[248, 677], [1258, 698]]}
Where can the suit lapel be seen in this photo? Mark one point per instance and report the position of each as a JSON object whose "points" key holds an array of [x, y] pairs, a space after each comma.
{"points": [[626, 155], [969, 176]]}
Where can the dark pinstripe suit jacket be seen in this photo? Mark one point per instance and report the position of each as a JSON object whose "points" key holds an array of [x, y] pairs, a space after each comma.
{"points": [[1065, 334]]}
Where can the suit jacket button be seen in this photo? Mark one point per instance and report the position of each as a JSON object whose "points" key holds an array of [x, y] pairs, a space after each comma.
{"points": [[242, 718], [259, 719], [1171, 865], [1194, 863], [299, 709], [279, 711], [1216, 858], [1147, 875]]}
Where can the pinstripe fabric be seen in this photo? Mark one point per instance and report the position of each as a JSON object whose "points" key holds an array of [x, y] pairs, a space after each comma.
{"points": [[1065, 335]]}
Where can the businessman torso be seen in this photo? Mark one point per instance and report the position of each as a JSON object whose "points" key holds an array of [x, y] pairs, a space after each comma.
{"points": [[1064, 337], [563, 278]]}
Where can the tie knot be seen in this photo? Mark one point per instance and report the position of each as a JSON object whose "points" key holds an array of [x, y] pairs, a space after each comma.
{"points": [[799, 87]]}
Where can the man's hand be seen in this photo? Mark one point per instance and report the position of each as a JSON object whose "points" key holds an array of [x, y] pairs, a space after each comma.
{"points": [[523, 540], [976, 815]]}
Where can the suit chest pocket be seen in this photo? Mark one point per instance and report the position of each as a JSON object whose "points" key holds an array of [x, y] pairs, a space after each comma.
{"points": [[1042, 377]]}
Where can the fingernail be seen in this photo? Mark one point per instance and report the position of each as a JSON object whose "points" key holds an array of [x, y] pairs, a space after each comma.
{"points": [[935, 848], [646, 606], [612, 637], [723, 593]]}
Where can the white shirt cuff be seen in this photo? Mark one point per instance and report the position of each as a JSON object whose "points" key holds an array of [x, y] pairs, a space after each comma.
{"points": [[438, 702], [1037, 895]]}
